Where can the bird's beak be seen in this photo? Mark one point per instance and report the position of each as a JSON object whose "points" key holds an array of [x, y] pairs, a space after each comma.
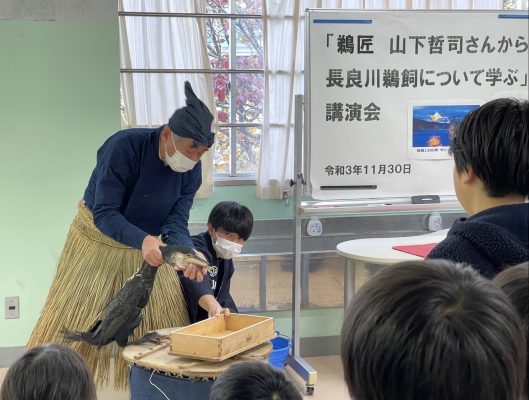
{"points": [[197, 261]]}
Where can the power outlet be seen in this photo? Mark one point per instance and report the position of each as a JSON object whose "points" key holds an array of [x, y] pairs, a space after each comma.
{"points": [[12, 307], [314, 227]]}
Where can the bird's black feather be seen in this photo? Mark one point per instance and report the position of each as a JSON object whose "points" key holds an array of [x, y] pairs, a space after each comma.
{"points": [[123, 313]]}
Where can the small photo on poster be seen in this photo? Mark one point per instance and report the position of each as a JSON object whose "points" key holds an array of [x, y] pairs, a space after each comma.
{"points": [[431, 127]]}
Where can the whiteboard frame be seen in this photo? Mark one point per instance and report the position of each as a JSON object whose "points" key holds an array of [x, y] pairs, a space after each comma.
{"points": [[306, 147]]}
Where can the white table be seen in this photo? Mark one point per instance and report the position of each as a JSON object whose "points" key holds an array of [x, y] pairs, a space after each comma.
{"points": [[358, 252]]}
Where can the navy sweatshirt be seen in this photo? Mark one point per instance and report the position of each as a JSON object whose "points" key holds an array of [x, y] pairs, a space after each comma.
{"points": [[215, 283], [489, 241], [132, 193]]}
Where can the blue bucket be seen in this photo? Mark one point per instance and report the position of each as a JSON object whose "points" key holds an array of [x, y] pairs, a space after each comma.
{"points": [[281, 347]]}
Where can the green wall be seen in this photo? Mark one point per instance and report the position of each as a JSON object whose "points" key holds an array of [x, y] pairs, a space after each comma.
{"points": [[59, 100], [261, 209]]}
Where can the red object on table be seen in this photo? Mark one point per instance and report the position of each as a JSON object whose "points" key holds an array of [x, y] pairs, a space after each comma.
{"points": [[421, 250]]}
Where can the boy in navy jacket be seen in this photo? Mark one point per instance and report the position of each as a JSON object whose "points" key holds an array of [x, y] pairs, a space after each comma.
{"points": [[229, 227], [491, 179]]}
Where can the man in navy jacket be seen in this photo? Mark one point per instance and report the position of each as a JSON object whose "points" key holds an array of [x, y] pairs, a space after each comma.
{"points": [[138, 198]]}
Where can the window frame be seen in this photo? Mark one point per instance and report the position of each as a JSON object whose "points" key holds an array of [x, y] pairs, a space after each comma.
{"points": [[232, 177]]}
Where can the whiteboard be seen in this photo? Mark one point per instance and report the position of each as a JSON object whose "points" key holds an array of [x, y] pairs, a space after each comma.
{"points": [[385, 89]]}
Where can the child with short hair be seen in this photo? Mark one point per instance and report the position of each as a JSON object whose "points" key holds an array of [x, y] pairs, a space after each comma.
{"points": [[253, 380], [514, 281], [432, 329], [491, 180], [49, 371], [229, 227]]}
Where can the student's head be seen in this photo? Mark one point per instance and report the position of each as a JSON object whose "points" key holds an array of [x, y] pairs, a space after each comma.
{"points": [[514, 281], [230, 225], [49, 372], [432, 330], [253, 380], [491, 144]]}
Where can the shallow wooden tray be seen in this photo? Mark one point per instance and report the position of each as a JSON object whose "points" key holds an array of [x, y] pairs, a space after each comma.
{"points": [[217, 338]]}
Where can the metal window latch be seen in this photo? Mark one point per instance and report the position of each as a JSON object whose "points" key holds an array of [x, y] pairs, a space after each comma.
{"points": [[285, 198]]}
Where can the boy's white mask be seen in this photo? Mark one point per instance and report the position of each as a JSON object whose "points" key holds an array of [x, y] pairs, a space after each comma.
{"points": [[226, 248]]}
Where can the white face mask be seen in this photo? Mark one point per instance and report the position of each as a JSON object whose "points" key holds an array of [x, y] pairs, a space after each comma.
{"points": [[178, 162], [226, 248]]}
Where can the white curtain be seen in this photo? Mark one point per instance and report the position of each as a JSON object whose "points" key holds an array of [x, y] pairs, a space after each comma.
{"points": [[284, 58], [164, 43]]}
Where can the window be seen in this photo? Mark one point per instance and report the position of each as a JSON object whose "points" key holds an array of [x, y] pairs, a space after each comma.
{"points": [[233, 35], [238, 94]]}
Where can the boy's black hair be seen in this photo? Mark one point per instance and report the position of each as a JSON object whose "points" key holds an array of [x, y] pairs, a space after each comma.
{"points": [[432, 330], [232, 217], [514, 281], [49, 371], [494, 141], [253, 380]]}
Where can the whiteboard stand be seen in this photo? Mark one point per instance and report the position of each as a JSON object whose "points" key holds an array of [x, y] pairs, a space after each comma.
{"points": [[294, 360]]}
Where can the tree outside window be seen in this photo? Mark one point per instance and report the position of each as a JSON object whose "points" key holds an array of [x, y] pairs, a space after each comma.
{"points": [[237, 44], [233, 31]]}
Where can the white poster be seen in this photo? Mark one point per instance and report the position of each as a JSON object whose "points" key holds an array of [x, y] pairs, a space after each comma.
{"points": [[385, 89]]}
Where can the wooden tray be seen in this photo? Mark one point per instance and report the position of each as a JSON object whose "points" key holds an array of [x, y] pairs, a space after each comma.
{"points": [[217, 338]]}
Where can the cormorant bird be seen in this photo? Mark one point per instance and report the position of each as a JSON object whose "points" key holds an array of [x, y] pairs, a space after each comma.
{"points": [[123, 313]]}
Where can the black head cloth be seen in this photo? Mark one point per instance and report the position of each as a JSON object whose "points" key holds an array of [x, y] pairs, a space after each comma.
{"points": [[194, 120]]}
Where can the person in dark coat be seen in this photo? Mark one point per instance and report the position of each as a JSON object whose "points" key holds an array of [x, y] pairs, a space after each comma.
{"points": [[491, 179], [229, 227]]}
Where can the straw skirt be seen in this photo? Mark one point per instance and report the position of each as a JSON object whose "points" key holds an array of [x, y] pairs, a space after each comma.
{"points": [[91, 270]]}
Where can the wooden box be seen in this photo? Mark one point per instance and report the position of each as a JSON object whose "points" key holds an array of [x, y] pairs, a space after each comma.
{"points": [[217, 338]]}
